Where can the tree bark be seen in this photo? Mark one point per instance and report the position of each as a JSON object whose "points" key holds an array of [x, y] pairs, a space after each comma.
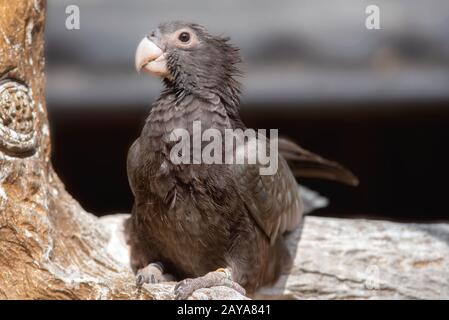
{"points": [[50, 248], [366, 259]]}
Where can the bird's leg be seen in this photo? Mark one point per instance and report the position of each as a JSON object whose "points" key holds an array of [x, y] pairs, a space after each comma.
{"points": [[220, 277], [152, 273]]}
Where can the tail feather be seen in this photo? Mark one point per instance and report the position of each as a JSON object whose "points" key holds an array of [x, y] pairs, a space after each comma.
{"points": [[304, 163]]}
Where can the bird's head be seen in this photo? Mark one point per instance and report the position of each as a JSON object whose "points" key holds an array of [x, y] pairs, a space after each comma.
{"points": [[188, 58]]}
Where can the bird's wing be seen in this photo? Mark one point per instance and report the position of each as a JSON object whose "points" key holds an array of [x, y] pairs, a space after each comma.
{"points": [[272, 200]]}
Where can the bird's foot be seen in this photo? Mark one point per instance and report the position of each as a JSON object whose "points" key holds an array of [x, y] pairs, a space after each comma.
{"points": [[221, 277], [152, 273]]}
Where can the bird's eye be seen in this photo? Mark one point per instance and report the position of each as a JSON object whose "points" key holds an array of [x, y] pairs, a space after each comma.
{"points": [[184, 37]]}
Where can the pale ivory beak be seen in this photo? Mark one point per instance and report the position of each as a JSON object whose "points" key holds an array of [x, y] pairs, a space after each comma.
{"points": [[151, 58]]}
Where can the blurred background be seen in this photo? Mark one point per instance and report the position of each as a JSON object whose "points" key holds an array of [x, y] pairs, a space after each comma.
{"points": [[377, 101]]}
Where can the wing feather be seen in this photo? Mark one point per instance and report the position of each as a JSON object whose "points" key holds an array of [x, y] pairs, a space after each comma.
{"points": [[274, 200]]}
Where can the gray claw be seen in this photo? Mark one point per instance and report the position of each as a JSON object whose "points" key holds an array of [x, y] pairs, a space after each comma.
{"points": [[183, 289], [140, 280], [187, 287]]}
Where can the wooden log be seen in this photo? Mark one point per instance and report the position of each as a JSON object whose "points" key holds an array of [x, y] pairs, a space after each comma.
{"points": [[347, 259]]}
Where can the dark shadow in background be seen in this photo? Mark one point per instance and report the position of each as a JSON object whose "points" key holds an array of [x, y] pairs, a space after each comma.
{"points": [[401, 160]]}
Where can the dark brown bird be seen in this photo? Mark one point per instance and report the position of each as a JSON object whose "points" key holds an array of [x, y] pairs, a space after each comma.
{"points": [[208, 224]]}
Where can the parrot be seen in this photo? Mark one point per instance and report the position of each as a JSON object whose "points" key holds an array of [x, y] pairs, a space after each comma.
{"points": [[220, 224]]}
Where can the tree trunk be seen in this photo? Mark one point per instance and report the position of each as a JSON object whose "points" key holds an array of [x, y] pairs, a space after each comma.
{"points": [[50, 248]]}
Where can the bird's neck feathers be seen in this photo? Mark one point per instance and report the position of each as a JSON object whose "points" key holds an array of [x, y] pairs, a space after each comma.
{"points": [[208, 79], [228, 95], [203, 87]]}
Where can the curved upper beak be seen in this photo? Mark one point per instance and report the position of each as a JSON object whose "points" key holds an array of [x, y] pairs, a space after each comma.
{"points": [[151, 58]]}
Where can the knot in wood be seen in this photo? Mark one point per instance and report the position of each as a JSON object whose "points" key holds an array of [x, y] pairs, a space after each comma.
{"points": [[17, 120]]}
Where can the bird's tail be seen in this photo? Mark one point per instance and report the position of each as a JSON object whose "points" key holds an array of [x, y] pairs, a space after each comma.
{"points": [[306, 164]]}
